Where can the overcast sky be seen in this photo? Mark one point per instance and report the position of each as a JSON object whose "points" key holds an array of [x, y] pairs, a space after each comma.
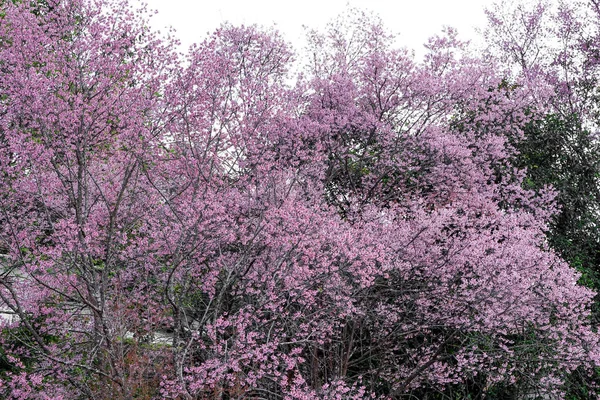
{"points": [[413, 20]]}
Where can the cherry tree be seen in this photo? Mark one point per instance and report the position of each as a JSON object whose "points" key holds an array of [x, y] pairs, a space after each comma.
{"points": [[80, 88], [199, 226], [428, 144]]}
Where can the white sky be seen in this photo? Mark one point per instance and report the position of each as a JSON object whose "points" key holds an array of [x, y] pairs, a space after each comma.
{"points": [[413, 20]]}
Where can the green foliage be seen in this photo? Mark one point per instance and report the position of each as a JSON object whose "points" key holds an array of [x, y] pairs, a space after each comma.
{"points": [[560, 152]]}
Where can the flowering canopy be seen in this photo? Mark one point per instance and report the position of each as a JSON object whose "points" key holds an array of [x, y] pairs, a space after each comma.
{"points": [[201, 228]]}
